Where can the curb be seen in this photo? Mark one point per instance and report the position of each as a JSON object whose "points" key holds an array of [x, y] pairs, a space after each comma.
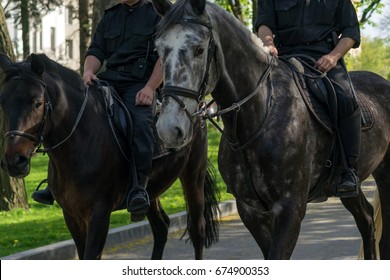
{"points": [[66, 250]]}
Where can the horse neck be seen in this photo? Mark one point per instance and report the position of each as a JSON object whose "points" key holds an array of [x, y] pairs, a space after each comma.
{"points": [[242, 62], [66, 100]]}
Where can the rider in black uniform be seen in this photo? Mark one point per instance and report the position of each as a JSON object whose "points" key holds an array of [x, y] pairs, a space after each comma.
{"points": [[124, 39], [325, 30]]}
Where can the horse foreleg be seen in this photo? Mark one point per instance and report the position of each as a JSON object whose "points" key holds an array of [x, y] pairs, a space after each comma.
{"points": [[77, 230], [194, 194], [159, 223], [363, 212], [97, 230], [276, 231]]}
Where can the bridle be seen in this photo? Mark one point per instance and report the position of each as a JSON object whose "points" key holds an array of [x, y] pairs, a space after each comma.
{"points": [[203, 112], [198, 95], [38, 138]]}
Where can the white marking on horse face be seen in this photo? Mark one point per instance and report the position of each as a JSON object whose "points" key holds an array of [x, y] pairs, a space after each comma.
{"points": [[184, 64]]}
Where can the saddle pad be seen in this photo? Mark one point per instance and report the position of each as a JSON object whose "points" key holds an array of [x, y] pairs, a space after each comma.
{"points": [[320, 111]]}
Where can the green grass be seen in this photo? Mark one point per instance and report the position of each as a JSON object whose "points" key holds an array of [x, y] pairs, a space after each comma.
{"points": [[41, 225]]}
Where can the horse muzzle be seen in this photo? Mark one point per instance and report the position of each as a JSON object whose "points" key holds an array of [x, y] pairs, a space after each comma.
{"points": [[17, 166]]}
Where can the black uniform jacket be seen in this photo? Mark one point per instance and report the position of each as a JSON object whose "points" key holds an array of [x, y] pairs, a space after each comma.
{"points": [[124, 38], [296, 22]]}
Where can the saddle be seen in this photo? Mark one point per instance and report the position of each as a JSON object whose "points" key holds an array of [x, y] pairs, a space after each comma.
{"points": [[319, 96], [120, 122]]}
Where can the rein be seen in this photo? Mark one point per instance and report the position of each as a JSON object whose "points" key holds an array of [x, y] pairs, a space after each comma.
{"points": [[235, 107]]}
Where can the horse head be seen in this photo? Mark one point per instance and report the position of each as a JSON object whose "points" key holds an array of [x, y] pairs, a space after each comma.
{"points": [[22, 102], [186, 47]]}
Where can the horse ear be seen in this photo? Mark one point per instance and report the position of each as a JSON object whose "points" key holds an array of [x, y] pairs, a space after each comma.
{"points": [[198, 6], [5, 62], [162, 6], [37, 64]]}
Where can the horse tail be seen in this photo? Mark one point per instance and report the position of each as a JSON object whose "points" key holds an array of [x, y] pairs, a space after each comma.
{"points": [[211, 210]]}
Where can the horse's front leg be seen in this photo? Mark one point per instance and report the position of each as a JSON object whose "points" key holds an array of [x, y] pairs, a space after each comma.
{"points": [[159, 223], [97, 230], [286, 228], [78, 232], [275, 230], [194, 194]]}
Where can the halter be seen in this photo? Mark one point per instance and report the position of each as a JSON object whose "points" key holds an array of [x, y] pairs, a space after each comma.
{"points": [[199, 95], [39, 138]]}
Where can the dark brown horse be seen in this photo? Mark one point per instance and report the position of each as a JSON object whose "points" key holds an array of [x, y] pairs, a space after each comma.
{"points": [[44, 102], [272, 149]]}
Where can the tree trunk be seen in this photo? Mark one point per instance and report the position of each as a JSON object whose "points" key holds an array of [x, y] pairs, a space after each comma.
{"points": [[5, 40], [84, 31], [12, 191], [25, 20]]}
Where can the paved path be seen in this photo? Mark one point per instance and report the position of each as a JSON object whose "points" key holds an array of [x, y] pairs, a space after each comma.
{"points": [[328, 233]]}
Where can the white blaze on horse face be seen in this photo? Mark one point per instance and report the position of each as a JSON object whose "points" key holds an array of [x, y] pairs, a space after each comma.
{"points": [[183, 54]]}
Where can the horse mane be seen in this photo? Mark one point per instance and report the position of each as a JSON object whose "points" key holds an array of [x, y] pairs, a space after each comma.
{"points": [[173, 15]]}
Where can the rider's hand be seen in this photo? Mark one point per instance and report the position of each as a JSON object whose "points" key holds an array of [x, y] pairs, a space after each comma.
{"points": [[88, 77], [272, 50], [326, 63], [144, 97]]}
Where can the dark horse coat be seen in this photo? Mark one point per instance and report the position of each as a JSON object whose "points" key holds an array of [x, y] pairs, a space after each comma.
{"points": [[44, 102]]}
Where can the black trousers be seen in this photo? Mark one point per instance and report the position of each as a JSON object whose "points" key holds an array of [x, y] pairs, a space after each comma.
{"points": [[346, 101], [142, 117]]}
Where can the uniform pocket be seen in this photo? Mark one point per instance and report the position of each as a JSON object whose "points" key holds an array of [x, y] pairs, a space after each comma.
{"points": [[287, 12], [112, 39], [325, 12]]}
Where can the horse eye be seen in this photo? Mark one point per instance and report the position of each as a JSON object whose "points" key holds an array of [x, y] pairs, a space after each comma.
{"points": [[199, 51], [38, 104]]}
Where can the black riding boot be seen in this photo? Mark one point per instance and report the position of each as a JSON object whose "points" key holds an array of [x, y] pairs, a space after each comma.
{"points": [[138, 200], [349, 129], [43, 196]]}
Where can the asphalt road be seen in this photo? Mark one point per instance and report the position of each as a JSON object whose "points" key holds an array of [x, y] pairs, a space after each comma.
{"points": [[328, 233]]}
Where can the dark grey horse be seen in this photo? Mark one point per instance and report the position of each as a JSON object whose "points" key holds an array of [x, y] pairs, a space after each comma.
{"points": [[272, 149]]}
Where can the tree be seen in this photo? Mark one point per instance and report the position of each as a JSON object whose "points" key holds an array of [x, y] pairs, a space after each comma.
{"points": [[374, 56], [84, 31], [12, 191]]}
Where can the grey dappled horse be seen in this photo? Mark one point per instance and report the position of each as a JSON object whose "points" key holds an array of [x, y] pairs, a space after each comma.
{"points": [[272, 149]]}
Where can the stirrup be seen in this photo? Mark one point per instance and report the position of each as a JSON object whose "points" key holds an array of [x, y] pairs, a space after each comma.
{"points": [[348, 187], [43, 196], [139, 197]]}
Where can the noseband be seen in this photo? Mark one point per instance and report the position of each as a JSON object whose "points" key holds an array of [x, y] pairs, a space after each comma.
{"points": [[199, 95]]}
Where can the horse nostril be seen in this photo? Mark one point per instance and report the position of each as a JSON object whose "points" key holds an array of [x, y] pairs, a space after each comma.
{"points": [[19, 161], [179, 133]]}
